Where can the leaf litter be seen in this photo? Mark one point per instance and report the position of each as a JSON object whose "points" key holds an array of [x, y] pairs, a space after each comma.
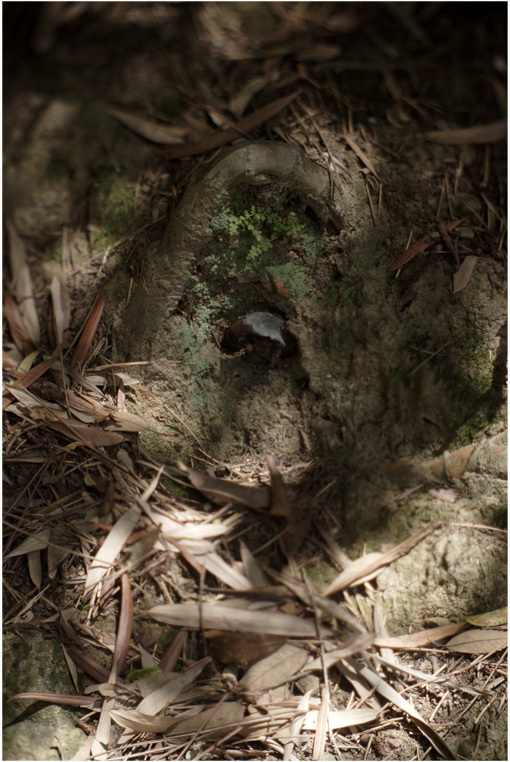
{"points": [[314, 638]]}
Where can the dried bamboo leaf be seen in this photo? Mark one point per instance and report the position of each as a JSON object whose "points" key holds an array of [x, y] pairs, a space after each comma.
{"points": [[290, 735], [87, 702], [215, 564], [216, 721], [157, 133], [88, 332], [416, 248], [341, 719], [275, 669], [321, 725], [479, 641], [131, 719], [112, 547], [90, 434], [490, 618], [353, 646], [423, 676], [59, 317], [351, 576], [242, 98], [390, 694], [125, 421], [89, 665], [37, 541], [463, 275], [419, 639], [223, 491], [251, 568], [243, 647], [280, 505], [362, 156], [102, 734], [17, 327], [483, 133], [35, 567], [221, 617], [23, 284], [124, 628], [160, 698], [223, 137]]}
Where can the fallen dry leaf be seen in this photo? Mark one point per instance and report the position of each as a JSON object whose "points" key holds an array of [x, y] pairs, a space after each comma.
{"points": [[87, 702], [17, 327], [280, 505], [419, 639], [489, 619], [479, 641], [88, 333], [418, 246], [368, 566], [112, 547], [214, 722], [124, 628], [361, 155], [463, 275], [243, 647], [390, 694], [159, 699], [22, 283], [222, 491], [274, 669], [157, 133], [223, 137], [221, 617], [483, 133]]}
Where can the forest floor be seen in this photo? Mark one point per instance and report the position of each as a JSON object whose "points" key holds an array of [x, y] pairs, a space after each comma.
{"points": [[354, 491]]}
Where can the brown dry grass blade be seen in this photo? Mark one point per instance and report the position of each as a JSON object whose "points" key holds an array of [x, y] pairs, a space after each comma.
{"points": [[483, 133], [223, 137], [87, 702], [361, 156], [124, 628], [418, 246], [17, 327], [222, 491], [88, 333], [376, 561]]}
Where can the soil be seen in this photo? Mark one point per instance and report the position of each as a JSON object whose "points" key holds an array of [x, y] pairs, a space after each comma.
{"points": [[390, 374]]}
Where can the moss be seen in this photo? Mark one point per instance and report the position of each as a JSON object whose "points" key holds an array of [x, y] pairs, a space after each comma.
{"points": [[320, 574], [112, 211]]}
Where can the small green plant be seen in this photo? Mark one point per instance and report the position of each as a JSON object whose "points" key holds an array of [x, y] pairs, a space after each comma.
{"points": [[262, 226]]}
